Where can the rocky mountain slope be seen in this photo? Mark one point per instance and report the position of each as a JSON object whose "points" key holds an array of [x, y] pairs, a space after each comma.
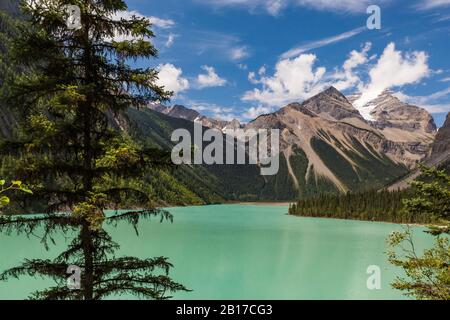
{"points": [[439, 156], [181, 112], [327, 145], [341, 149], [441, 146], [400, 122]]}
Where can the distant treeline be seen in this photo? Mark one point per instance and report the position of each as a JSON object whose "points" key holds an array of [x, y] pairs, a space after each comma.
{"points": [[370, 206]]}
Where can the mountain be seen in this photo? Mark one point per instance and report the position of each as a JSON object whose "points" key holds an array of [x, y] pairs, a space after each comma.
{"points": [[441, 146], [439, 156], [176, 111], [328, 146], [398, 121], [181, 112], [402, 123]]}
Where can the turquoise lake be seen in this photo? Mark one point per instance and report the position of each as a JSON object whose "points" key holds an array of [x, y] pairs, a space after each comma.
{"points": [[243, 252]]}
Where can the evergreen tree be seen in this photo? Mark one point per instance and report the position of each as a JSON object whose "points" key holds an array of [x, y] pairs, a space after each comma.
{"points": [[427, 275], [14, 185], [369, 205], [71, 92]]}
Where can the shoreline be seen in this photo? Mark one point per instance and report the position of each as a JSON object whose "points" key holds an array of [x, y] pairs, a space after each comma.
{"points": [[272, 204], [375, 221]]}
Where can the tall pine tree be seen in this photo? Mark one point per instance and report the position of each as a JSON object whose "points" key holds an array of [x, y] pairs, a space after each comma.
{"points": [[72, 152]]}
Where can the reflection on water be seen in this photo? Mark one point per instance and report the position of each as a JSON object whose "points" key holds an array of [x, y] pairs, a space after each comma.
{"points": [[237, 252]]}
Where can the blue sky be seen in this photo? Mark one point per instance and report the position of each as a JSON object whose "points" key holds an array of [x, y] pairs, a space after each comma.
{"points": [[241, 58]]}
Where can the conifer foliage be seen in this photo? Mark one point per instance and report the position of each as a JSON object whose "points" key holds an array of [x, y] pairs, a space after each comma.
{"points": [[74, 85], [427, 274], [369, 205]]}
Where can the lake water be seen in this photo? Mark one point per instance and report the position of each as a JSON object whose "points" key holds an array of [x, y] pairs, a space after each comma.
{"points": [[244, 252]]}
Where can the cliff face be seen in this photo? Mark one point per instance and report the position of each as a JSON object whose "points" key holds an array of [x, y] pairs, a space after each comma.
{"points": [[328, 144], [439, 156], [397, 120], [406, 125], [339, 145], [441, 145]]}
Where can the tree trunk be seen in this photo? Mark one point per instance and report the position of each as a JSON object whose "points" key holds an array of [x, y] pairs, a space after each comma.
{"points": [[88, 253]]}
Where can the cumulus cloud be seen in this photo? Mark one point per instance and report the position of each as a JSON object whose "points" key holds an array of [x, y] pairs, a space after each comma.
{"points": [[170, 77], [210, 79], [298, 78], [294, 79], [394, 69], [347, 77]]}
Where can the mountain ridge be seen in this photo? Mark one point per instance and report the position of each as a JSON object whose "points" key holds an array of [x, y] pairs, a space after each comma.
{"points": [[328, 129]]}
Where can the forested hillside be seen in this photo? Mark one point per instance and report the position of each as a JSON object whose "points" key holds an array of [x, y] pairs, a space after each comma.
{"points": [[370, 206]]}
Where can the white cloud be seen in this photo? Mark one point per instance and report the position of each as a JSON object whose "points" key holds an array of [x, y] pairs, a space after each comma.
{"points": [[218, 112], [170, 77], [252, 78], [211, 109], [170, 40], [347, 78], [219, 45], [210, 79], [262, 70], [274, 7], [239, 53], [341, 5], [447, 79], [298, 78], [128, 15], [157, 22], [443, 18], [394, 69], [321, 43], [433, 103], [255, 112], [199, 108], [294, 79], [432, 4], [242, 66], [162, 23]]}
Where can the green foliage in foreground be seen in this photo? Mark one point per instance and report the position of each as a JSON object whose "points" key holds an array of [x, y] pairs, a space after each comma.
{"points": [[70, 88], [14, 185], [427, 275]]}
